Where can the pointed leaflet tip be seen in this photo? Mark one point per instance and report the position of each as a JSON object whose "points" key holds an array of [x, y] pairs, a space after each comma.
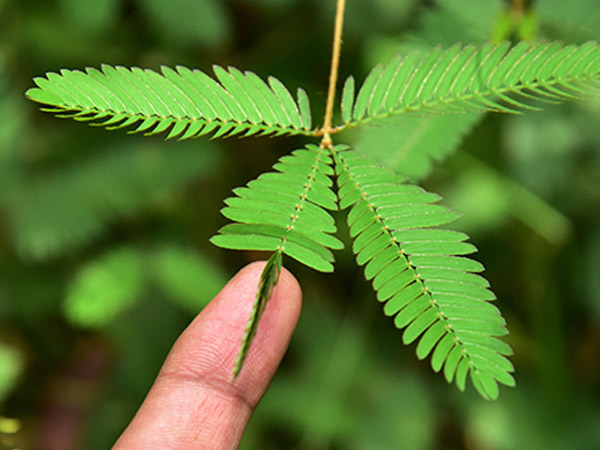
{"points": [[348, 99], [44, 97], [304, 105]]}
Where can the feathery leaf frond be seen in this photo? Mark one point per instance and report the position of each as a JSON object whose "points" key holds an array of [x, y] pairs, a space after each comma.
{"points": [[185, 103], [419, 270], [286, 211], [485, 78]]}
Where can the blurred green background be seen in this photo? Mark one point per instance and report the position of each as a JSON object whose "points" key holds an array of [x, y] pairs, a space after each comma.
{"points": [[104, 256]]}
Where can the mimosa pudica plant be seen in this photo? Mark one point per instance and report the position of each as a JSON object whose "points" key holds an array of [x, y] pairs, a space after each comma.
{"points": [[419, 269]]}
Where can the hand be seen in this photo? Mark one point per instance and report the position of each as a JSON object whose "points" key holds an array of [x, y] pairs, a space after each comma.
{"points": [[193, 403]]}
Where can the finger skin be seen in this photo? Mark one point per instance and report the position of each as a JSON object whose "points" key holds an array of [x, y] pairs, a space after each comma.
{"points": [[193, 403]]}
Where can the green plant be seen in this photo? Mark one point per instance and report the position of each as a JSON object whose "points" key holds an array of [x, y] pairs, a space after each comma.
{"points": [[417, 268]]}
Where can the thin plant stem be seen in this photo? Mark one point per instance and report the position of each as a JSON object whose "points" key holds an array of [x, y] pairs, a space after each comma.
{"points": [[333, 73]]}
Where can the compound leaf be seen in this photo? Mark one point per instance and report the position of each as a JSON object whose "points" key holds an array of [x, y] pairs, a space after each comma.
{"points": [[185, 103], [422, 274], [285, 211], [490, 77]]}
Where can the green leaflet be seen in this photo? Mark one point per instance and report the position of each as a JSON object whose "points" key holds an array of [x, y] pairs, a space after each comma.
{"points": [[268, 280], [485, 78], [422, 275], [183, 103], [348, 99], [285, 211]]}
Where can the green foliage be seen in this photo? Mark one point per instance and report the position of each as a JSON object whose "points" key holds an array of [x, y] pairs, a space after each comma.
{"points": [[486, 78], [118, 280], [104, 288], [417, 268], [413, 144], [421, 273], [286, 212], [188, 21], [12, 112], [67, 209], [492, 197], [576, 25], [93, 17], [188, 278], [11, 366], [460, 21]]}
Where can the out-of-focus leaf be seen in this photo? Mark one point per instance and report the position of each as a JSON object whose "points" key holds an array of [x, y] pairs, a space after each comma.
{"points": [[198, 22], [452, 21], [104, 288], [377, 16], [94, 16], [515, 422], [11, 366], [187, 277], [65, 211], [141, 339], [402, 406], [411, 145], [575, 22], [13, 119], [556, 145], [592, 272], [487, 198], [12, 128], [50, 42], [274, 4]]}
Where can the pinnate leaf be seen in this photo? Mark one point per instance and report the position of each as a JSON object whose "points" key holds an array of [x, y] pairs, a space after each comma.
{"points": [[286, 211], [181, 102], [422, 274], [490, 77]]}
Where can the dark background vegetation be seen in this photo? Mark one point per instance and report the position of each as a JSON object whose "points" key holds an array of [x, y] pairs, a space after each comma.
{"points": [[104, 256]]}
